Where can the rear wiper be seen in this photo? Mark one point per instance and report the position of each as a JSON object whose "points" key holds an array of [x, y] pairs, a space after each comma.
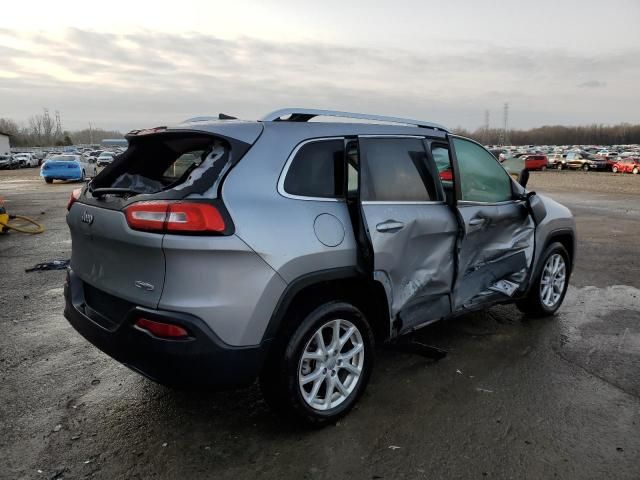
{"points": [[98, 192]]}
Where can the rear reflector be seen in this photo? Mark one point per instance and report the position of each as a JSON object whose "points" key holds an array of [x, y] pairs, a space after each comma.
{"points": [[161, 329], [174, 217]]}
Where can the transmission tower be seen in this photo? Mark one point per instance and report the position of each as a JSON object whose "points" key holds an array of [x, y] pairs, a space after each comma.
{"points": [[58, 125], [506, 124], [486, 127]]}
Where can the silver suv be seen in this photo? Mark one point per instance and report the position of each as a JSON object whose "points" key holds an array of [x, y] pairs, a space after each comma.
{"points": [[219, 251]]}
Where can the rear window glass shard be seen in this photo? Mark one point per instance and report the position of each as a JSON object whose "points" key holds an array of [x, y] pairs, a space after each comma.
{"points": [[177, 163]]}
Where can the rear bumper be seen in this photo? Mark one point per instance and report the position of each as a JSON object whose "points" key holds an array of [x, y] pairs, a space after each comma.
{"points": [[71, 174], [201, 360]]}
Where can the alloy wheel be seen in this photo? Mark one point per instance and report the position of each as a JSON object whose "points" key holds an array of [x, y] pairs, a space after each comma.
{"points": [[331, 364], [552, 281]]}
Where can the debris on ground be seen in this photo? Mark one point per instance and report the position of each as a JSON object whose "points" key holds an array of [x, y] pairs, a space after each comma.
{"points": [[52, 265], [57, 428], [484, 390]]}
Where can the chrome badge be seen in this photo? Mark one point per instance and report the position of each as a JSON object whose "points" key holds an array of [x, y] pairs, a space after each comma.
{"points": [[86, 218]]}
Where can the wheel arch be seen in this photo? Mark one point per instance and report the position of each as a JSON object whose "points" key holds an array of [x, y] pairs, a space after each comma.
{"points": [[309, 291]]}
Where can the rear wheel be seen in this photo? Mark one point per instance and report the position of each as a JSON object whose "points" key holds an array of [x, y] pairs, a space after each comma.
{"points": [[318, 373], [48, 180], [635, 170], [550, 286], [543, 168], [559, 166], [614, 169], [585, 167]]}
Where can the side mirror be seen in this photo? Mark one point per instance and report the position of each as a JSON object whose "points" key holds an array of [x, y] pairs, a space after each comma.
{"points": [[523, 178]]}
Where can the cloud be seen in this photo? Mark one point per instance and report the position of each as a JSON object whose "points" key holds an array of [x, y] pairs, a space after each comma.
{"points": [[593, 84], [146, 78]]}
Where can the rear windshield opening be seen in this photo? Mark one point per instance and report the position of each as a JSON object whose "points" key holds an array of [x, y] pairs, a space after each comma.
{"points": [[169, 161]]}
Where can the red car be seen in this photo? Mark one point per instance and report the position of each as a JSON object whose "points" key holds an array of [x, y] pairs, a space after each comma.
{"points": [[627, 165], [535, 162]]}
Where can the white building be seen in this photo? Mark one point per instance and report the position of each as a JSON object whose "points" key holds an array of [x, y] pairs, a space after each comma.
{"points": [[4, 144]]}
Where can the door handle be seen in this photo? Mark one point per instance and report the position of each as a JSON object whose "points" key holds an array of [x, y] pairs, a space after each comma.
{"points": [[389, 226], [477, 222]]}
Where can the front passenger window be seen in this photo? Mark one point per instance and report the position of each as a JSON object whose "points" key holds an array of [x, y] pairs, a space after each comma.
{"points": [[482, 178]]}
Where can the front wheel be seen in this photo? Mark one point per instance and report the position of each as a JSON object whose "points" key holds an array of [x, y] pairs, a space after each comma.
{"points": [[614, 169], [543, 168], [585, 167], [635, 170], [548, 289], [48, 180], [559, 167], [319, 372]]}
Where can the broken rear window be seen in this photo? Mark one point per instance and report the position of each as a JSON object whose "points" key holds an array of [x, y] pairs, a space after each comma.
{"points": [[171, 161]]}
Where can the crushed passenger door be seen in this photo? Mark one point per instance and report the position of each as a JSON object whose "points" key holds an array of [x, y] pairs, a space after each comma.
{"points": [[496, 242]]}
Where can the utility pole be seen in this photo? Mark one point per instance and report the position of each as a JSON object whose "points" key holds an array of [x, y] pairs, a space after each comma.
{"points": [[90, 134]]}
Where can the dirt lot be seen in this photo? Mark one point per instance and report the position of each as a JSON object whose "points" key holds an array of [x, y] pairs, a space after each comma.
{"points": [[515, 397]]}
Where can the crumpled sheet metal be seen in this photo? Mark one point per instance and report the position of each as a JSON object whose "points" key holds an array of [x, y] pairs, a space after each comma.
{"points": [[505, 253], [418, 258]]}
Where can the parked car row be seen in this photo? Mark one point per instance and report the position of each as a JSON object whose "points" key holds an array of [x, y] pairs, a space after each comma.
{"points": [[18, 160], [574, 159]]}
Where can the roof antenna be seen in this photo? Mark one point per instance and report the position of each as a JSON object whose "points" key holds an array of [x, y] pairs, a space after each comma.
{"points": [[224, 116]]}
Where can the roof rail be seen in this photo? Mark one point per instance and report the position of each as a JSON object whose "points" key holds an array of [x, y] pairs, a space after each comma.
{"points": [[306, 114]]}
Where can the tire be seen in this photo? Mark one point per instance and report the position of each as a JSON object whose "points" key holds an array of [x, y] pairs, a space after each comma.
{"points": [[308, 403], [559, 166], [635, 170], [543, 168], [539, 302], [585, 167], [48, 180], [614, 169]]}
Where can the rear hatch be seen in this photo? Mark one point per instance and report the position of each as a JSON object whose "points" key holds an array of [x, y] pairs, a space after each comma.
{"points": [[119, 220]]}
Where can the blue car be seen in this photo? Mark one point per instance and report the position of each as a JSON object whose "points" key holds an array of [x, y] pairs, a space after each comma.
{"points": [[68, 167]]}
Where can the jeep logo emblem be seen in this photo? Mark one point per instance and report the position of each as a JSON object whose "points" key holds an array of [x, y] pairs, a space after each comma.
{"points": [[86, 218]]}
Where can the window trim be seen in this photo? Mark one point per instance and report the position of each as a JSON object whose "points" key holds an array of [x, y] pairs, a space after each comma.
{"points": [[285, 171]]}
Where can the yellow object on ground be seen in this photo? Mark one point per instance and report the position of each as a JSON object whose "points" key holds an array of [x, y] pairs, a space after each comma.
{"points": [[18, 223]]}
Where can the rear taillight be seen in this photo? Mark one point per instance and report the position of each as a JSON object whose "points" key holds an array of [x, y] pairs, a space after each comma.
{"points": [[174, 217], [75, 195], [162, 329]]}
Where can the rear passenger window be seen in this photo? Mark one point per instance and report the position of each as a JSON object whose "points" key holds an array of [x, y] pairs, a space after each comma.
{"points": [[395, 169], [317, 170]]}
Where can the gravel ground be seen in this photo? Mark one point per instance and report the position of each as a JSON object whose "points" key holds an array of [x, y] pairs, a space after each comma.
{"points": [[515, 397]]}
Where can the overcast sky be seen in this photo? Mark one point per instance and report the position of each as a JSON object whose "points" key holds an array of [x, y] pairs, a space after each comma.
{"points": [[130, 64]]}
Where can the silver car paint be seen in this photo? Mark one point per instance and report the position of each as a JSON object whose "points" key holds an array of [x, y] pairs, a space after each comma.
{"points": [[222, 281], [107, 254]]}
